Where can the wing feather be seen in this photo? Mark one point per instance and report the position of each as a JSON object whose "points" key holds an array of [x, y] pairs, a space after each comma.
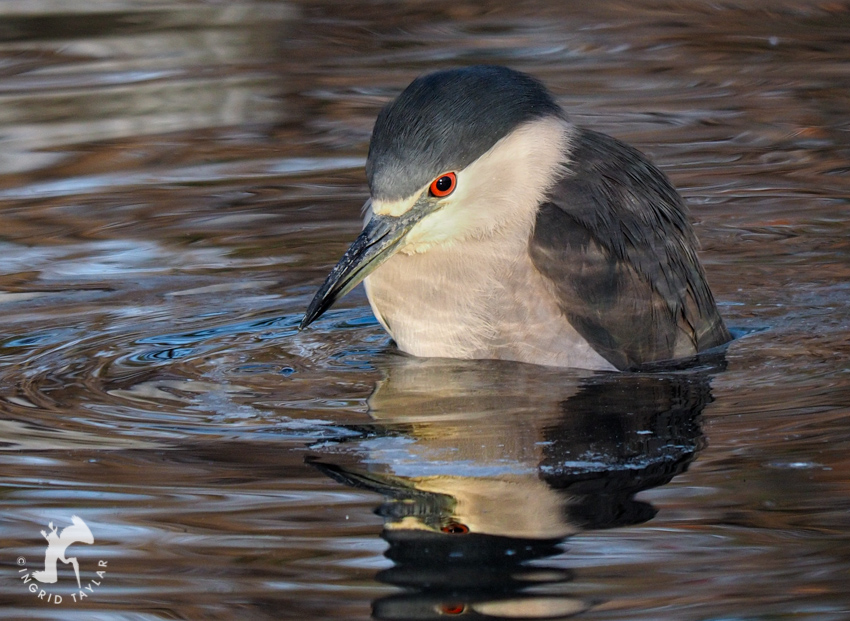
{"points": [[615, 241]]}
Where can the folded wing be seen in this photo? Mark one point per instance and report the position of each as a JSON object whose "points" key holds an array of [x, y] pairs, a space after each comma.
{"points": [[615, 242]]}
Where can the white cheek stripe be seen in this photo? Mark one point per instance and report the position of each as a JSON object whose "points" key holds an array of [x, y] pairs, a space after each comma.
{"points": [[397, 207]]}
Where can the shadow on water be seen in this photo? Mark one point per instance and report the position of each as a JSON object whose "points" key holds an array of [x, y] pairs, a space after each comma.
{"points": [[481, 486]]}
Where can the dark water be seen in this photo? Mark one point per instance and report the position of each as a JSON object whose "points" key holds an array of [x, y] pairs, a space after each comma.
{"points": [[175, 181]]}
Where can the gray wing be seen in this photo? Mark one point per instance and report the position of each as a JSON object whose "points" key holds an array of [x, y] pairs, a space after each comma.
{"points": [[616, 243]]}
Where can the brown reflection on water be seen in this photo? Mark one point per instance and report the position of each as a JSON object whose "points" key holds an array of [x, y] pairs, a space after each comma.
{"points": [[176, 179], [486, 470]]}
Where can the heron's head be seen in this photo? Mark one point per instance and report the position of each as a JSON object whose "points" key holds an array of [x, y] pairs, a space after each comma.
{"points": [[458, 154]]}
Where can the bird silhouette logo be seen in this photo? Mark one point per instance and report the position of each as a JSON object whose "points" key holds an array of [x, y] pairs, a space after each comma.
{"points": [[57, 544]]}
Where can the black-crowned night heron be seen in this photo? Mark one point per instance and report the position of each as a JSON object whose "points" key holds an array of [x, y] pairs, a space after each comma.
{"points": [[497, 229]]}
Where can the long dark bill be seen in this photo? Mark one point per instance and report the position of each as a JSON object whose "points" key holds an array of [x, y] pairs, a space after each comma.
{"points": [[377, 243]]}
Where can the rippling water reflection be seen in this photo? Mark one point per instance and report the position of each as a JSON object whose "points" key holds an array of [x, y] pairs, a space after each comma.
{"points": [[485, 467], [176, 179]]}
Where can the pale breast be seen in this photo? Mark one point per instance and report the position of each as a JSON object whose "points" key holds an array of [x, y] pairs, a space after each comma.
{"points": [[479, 299]]}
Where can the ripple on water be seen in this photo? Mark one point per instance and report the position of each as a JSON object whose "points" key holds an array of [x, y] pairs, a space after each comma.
{"points": [[176, 179]]}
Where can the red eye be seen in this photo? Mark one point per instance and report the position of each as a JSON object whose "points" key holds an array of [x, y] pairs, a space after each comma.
{"points": [[452, 609], [443, 185], [455, 528]]}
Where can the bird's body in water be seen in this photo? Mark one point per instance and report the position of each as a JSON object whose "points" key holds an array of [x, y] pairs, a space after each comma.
{"points": [[497, 229]]}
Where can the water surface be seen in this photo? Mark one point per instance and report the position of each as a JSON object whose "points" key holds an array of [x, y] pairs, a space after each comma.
{"points": [[177, 178]]}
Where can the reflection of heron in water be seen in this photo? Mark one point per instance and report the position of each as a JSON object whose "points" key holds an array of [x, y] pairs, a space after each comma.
{"points": [[78, 532], [486, 466]]}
